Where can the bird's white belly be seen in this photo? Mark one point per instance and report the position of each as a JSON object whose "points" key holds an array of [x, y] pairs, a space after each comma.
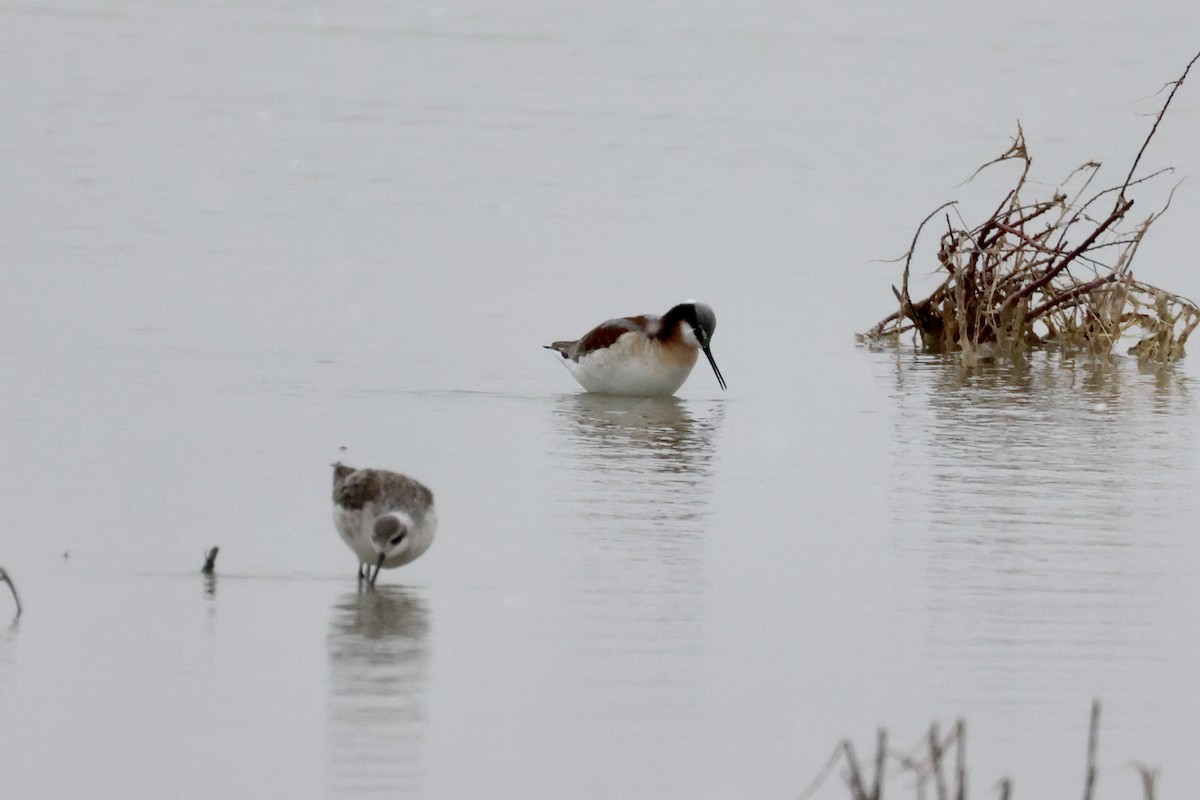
{"points": [[355, 527], [632, 366]]}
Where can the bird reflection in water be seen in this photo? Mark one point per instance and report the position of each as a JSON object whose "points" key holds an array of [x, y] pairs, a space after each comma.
{"points": [[640, 461], [649, 434], [638, 477], [378, 671]]}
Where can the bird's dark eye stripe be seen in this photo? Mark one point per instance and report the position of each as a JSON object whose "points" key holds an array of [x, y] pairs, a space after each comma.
{"points": [[396, 539]]}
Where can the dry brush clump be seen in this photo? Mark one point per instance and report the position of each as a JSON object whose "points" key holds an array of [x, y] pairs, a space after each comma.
{"points": [[1046, 272], [938, 768]]}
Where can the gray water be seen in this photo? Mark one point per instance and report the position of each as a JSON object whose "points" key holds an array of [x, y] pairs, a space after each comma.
{"points": [[237, 238]]}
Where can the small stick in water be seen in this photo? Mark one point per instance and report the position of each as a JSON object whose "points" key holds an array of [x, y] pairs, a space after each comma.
{"points": [[12, 587], [210, 561]]}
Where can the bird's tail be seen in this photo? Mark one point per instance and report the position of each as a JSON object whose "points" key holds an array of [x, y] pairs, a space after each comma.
{"points": [[340, 473]]}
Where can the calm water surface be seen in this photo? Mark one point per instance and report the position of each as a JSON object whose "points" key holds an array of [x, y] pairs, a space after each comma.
{"points": [[238, 239]]}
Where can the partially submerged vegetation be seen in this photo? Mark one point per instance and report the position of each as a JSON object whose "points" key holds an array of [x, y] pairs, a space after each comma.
{"points": [[1048, 272], [940, 762]]}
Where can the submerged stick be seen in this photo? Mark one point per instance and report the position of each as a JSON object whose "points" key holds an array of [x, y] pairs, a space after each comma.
{"points": [[210, 561], [12, 587]]}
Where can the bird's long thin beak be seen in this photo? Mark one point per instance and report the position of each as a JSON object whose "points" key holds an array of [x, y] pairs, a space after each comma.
{"points": [[378, 566], [712, 361]]}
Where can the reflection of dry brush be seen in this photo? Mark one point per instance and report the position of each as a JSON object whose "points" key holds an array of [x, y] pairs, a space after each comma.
{"points": [[1053, 272], [930, 765]]}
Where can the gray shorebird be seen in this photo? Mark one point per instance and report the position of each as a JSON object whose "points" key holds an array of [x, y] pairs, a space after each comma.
{"points": [[643, 356], [386, 518]]}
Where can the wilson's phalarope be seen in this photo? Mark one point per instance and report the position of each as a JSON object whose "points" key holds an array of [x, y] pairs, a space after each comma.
{"points": [[644, 356], [387, 519]]}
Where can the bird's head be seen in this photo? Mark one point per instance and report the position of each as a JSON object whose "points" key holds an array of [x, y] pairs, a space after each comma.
{"points": [[390, 537], [697, 323]]}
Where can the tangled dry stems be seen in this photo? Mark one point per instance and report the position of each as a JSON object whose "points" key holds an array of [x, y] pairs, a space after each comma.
{"points": [[1046, 272], [940, 762]]}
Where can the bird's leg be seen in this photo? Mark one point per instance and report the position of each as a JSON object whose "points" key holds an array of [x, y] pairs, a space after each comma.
{"points": [[378, 567]]}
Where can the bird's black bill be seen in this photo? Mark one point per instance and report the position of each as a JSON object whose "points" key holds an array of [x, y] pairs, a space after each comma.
{"points": [[378, 566], [716, 371]]}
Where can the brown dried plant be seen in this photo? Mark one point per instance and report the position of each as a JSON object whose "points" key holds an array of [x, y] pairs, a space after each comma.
{"points": [[1046, 272]]}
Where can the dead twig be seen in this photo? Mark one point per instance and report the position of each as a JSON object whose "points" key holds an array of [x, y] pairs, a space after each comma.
{"points": [[12, 588], [1174, 88], [905, 298], [823, 774], [854, 778], [880, 756], [927, 761], [1149, 777], [936, 748], [1093, 735], [960, 760]]}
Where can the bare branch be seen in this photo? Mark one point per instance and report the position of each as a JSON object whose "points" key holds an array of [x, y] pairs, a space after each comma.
{"points": [[1093, 735], [13, 588], [1133, 167]]}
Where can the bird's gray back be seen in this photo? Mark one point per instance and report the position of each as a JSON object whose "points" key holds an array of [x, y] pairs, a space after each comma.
{"points": [[381, 490]]}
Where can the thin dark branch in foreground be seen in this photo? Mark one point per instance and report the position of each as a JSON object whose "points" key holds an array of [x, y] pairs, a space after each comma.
{"points": [[928, 763], [855, 776], [935, 759], [1149, 777], [880, 755], [960, 760], [210, 561], [823, 774], [1093, 737], [12, 587]]}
